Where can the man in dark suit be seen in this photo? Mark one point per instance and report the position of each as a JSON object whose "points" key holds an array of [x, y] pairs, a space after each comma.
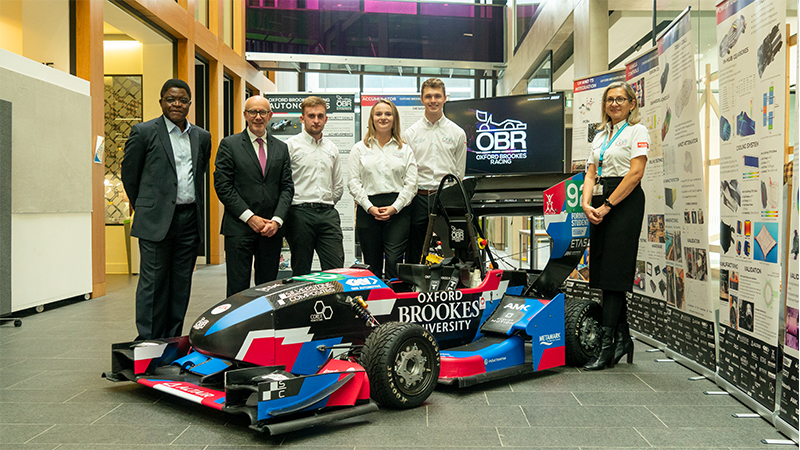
{"points": [[163, 173], [253, 179]]}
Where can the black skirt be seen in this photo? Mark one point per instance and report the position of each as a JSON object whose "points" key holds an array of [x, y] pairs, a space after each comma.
{"points": [[613, 244]]}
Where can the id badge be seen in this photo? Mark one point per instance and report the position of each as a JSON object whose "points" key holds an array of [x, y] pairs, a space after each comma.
{"points": [[598, 189]]}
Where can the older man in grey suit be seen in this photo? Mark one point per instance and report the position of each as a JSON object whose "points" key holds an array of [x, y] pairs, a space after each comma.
{"points": [[253, 179], [163, 173]]}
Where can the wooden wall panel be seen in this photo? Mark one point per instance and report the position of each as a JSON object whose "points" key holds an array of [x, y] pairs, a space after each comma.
{"points": [[89, 66]]}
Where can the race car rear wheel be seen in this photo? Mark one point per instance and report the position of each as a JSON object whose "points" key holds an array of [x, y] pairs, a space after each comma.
{"points": [[402, 362], [582, 319]]}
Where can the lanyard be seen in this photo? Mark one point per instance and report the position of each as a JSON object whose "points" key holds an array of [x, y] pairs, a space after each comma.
{"points": [[605, 147]]}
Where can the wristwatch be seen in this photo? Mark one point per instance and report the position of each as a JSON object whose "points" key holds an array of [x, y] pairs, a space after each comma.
{"points": [[608, 203]]}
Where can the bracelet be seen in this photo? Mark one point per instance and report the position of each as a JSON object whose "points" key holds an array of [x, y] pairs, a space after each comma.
{"points": [[608, 203]]}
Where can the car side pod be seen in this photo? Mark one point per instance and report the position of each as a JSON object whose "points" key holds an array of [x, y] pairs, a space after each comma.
{"points": [[504, 350]]}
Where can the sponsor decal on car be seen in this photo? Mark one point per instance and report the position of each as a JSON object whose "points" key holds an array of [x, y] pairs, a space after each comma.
{"points": [[320, 277], [308, 291], [361, 284], [549, 339], [321, 312], [443, 311], [201, 323], [221, 309]]}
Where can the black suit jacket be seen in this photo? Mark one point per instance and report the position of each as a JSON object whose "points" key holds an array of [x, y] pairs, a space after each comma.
{"points": [[151, 181], [241, 186]]}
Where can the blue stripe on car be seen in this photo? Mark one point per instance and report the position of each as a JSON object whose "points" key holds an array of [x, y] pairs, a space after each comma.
{"points": [[240, 314]]}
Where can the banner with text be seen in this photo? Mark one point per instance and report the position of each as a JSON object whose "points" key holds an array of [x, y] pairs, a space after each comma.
{"points": [[752, 83], [788, 401], [647, 307], [691, 309]]}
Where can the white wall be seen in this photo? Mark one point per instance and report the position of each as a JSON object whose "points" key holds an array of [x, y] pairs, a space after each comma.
{"points": [[51, 182]]}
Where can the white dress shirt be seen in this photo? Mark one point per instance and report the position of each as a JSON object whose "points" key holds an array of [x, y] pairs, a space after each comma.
{"points": [[316, 170], [182, 152], [381, 170], [634, 141], [440, 148], [247, 214]]}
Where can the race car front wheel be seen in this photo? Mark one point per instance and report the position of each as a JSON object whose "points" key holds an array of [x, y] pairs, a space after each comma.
{"points": [[582, 319], [402, 362]]}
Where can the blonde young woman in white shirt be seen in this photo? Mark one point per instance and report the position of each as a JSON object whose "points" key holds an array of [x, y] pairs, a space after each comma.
{"points": [[382, 176], [613, 201]]}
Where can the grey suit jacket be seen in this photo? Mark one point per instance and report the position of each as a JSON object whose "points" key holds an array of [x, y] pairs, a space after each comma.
{"points": [[151, 181], [241, 186]]}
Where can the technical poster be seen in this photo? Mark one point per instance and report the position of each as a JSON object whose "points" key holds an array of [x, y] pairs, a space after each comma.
{"points": [[691, 310], [340, 129], [789, 383], [648, 311], [752, 79], [671, 287], [587, 99]]}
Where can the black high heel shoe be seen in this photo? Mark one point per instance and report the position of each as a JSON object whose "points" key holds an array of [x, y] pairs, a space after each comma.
{"points": [[623, 343], [606, 357]]}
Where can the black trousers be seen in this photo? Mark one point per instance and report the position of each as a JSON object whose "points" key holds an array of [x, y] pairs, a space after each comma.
{"points": [[314, 227], [418, 210], [253, 250], [165, 277], [378, 238]]}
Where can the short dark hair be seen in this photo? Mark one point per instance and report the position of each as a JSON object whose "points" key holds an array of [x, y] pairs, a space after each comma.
{"points": [[176, 83]]}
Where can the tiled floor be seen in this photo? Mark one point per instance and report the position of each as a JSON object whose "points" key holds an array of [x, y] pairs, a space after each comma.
{"points": [[52, 397]]}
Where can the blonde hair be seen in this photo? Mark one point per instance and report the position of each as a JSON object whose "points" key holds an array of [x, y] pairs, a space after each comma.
{"points": [[395, 123], [633, 117]]}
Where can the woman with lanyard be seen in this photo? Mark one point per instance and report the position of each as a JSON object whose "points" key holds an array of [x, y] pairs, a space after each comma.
{"points": [[383, 180], [613, 201]]}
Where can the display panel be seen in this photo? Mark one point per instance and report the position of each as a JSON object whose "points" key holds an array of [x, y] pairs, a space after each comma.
{"points": [[521, 134]]}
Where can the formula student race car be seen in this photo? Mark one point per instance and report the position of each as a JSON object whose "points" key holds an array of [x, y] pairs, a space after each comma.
{"points": [[313, 349]]}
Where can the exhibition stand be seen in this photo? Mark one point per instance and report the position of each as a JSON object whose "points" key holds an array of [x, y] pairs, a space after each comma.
{"points": [[741, 334]]}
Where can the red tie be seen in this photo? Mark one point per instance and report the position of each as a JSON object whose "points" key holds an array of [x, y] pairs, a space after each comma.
{"points": [[262, 155]]}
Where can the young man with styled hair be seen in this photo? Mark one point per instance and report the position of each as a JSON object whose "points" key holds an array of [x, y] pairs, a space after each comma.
{"points": [[314, 223], [440, 147]]}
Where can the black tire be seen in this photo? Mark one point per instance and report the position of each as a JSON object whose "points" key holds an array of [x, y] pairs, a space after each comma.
{"points": [[582, 327], [402, 362]]}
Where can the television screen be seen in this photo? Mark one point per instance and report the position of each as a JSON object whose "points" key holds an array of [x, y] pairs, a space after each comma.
{"points": [[521, 134]]}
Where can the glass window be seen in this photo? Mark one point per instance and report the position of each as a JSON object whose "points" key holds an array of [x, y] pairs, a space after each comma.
{"points": [[201, 12], [331, 82], [458, 88], [389, 84], [524, 15], [227, 22], [541, 80]]}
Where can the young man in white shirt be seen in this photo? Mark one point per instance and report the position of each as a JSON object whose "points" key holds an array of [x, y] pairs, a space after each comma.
{"points": [[440, 147], [314, 223]]}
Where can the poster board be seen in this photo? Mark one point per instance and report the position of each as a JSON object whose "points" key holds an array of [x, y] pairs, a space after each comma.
{"points": [[752, 83]]}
